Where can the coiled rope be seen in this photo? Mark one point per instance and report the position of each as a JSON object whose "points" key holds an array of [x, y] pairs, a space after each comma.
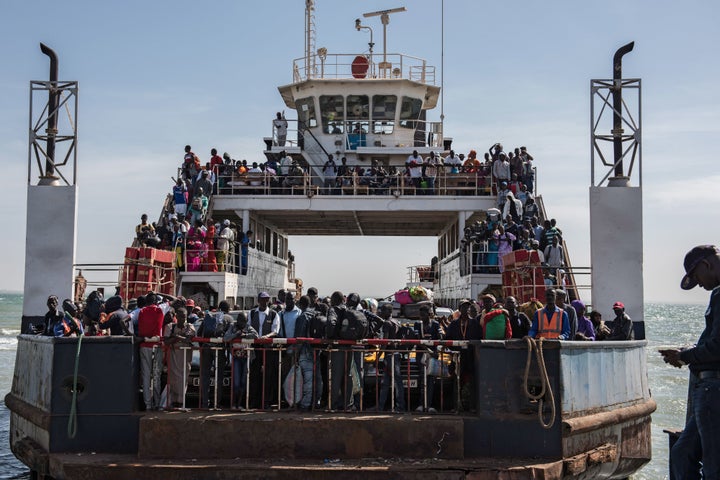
{"points": [[72, 419], [536, 345]]}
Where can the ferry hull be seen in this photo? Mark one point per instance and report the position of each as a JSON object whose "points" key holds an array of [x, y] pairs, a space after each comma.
{"points": [[591, 437]]}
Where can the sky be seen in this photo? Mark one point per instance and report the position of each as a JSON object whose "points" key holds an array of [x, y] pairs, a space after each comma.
{"points": [[155, 76]]}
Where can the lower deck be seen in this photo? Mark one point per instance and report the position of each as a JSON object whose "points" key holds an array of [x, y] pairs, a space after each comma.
{"points": [[192, 445]]}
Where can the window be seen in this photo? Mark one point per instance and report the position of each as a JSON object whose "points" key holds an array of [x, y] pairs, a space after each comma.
{"points": [[383, 113], [410, 112], [358, 113], [332, 113], [306, 111]]}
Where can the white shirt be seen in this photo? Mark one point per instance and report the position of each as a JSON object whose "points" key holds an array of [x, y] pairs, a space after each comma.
{"points": [[415, 171], [285, 163]]}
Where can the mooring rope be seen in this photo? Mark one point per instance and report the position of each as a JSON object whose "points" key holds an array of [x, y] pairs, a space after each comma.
{"points": [[72, 419], [536, 346]]}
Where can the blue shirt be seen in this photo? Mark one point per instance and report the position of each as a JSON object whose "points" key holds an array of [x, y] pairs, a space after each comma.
{"points": [[289, 318]]}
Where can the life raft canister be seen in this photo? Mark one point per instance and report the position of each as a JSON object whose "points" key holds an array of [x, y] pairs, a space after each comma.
{"points": [[360, 66]]}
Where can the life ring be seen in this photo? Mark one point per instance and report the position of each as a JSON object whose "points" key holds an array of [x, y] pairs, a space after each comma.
{"points": [[360, 66]]}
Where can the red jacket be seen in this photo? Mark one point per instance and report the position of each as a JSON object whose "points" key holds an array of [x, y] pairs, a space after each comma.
{"points": [[150, 323]]}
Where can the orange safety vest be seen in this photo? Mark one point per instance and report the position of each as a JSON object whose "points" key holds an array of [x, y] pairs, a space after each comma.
{"points": [[549, 328]]}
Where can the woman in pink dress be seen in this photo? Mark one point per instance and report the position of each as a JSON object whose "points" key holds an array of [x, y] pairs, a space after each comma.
{"points": [[196, 247]]}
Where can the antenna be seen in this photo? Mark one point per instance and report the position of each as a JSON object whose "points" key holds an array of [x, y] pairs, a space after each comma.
{"points": [[385, 19]]}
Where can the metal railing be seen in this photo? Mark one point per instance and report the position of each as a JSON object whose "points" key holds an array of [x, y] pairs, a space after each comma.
{"points": [[344, 375], [339, 66], [452, 184]]}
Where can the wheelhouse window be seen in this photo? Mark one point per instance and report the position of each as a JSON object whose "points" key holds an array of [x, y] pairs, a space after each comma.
{"points": [[383, 113], [332, 113], [358, 113], [306, 111], [410, 112]]}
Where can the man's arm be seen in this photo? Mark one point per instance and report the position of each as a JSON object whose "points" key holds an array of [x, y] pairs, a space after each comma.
{"points": [[709, 349], [534, 325], [565, 335]]}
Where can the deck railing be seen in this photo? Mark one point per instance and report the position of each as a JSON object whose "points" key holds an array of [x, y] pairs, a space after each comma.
{"points": [[253, 374], [444, 184]]}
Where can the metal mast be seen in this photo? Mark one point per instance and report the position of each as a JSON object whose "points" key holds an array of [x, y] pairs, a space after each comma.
{"points": [[310, 32]]}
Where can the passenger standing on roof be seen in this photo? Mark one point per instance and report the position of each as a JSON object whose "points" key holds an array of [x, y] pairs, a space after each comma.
{"points": [[413, 166], [495, 151], [330, 172], [191, 165], [501, 169], [281, 128], [699, 442]]}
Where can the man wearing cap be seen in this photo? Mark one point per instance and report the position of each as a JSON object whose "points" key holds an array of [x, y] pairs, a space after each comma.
{"points": [[621, 327], [700, 440], [266, 322]]}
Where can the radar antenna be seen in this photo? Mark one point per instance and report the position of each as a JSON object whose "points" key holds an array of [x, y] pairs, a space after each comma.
{"points": [[385, 19]]}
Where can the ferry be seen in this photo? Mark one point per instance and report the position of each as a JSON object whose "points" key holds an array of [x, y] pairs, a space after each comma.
{"points": [[553, 409]]}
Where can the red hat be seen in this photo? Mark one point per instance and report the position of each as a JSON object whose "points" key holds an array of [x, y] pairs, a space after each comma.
{"points": [[618, 305], [189, 302]]}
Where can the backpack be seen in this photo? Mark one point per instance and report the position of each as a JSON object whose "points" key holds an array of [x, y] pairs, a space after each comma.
{"points": [[94, 305], [354, 325], [212, 325], [197, 204], [317, 325]]}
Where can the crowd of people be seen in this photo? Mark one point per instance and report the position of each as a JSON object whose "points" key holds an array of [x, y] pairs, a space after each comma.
{"points": [[225, 175], [315, 376]]}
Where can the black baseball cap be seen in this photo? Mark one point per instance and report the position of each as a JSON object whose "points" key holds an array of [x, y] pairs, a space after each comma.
{"points": [[692, 258]]}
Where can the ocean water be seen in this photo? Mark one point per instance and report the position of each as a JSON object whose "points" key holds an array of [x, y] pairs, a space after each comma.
{"points": [[666, 325]]}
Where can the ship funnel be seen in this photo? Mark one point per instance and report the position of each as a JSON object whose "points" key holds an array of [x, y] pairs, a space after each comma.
{"points": [[53, 102], [617, 130]]}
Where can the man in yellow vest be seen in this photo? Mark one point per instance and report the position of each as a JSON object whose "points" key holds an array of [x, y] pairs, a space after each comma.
{"points": [[550, 322]]}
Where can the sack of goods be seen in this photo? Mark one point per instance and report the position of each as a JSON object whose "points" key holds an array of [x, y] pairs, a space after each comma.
{"points": [[418, 294], [403, 297]]}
